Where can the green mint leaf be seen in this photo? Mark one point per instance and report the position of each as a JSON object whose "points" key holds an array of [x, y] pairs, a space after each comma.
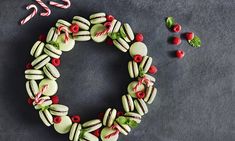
{"points": [[122, 32], [55, 44], [141, 72], [114, 35], [122, 120], [132, 124], [170, 22], [195, 42]]}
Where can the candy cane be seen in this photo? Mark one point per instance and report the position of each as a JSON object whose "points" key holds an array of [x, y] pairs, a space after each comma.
{"points": [[141, 81], [64, 6], [112, 134], [35, 10], [38, 99], [48, 11], [63, 28], [108, 28]]}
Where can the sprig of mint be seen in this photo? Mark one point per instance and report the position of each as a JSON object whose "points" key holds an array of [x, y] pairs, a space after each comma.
{"points": [[116, 35], [170, 22], [195, 42], [122, 32], [141, 72], [124, 120], [55, 44], [43, 108]]}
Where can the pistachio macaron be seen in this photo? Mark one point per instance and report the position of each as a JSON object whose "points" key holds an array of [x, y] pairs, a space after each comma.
{"points": [[149, 77], [133, 116], [96, 29], [64, 126], [88, 137], [92, 125], [52, 86], [46, 102], [51, 71], [32, 88], [133, 69], [146, 63], [65, 46], [151, 93], [52, 51], [37, 49], [52, 35], [109, 117], [106, 132], [121, 44], [138, 48], [98, 18], [58, 110], [132, 85], [41, 61], [128, 32], [64, 23], [75, 132], [115, 26], [83, 23], [46, 117], [33, 74], [82, 36], [141, 106], [127, 103], [123, 128]]}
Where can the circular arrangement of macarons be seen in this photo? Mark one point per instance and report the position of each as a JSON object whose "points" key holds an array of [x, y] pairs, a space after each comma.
{"points": [[41, 75]]}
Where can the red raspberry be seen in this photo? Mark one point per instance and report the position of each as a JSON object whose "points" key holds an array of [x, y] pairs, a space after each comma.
{"points": [[74, 28], [55, 99], [28, 66], [109, 42], [55, 62], [176, 40], [76, 118], [42, 37], [189, 36], [137, 58], [110, 18], [101, 115], [139, 37], [96, 132], [120, 113], [152, 69], [30, 101], [177, 28], [140, 95], [57, 119], [180, 54]]}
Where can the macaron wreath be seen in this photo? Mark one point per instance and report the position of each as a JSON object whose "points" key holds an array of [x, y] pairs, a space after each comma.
{"points": [[41, 75]]}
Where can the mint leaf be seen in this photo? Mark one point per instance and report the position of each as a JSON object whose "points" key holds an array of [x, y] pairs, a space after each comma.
{"points": [[122, 32], [141, 72], [132, 124], [122, 120], [55, 44], [170, 22], [195, 42], [114, 35]]}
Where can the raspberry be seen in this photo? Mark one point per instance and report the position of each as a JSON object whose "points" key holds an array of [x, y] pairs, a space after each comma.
{"points": [[28, 66], [152, 69], [55, 62], [55, 99], [42, 37], [109, 42], [30, 101], [140, 95], [76, 119], [101, 115], [176, 40], [189, 36], [139, 37], [120, 113], [137, 58], [177, 28], [96, 132], [180, 54], [110, 18], [74, 28], [57, 119]]}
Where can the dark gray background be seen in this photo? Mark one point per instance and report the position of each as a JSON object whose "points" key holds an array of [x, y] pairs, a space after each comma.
{"points": [[195, 99]]}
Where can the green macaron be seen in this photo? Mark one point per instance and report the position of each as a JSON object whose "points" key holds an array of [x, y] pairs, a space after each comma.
{"points": [[88, 137], [132, 85], [41, 61], [106, 132], [109, 117], [115, 26], [151, 93], [133, 69], [121, 44], [52, 35], [52, 51], [51, 89], [92, 125], [46, 117], [64, 126], [46, 103], [65, 45], [146, 63], [59, 110], [141, 106], [51, 71], [96, 29], [63, 23], [127, 103], [123, 128], [138, 48], [75, 132], [37, 49], [81, 22], [127, 31], [133, 116], [82, 36], [98, 18], [32, 74], [32, 88]]}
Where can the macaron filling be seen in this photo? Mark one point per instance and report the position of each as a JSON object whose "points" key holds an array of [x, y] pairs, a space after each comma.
{"points": [[141, 106]]}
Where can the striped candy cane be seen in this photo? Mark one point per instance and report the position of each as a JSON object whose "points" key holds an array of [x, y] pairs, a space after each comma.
{"points": [[64, 6], [48, 11], [38, 99], [141, 81], [108, 27], [63, 28], [35, 10]]}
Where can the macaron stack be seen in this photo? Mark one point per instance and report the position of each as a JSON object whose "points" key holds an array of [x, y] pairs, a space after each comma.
{"points": [[42, 73]]}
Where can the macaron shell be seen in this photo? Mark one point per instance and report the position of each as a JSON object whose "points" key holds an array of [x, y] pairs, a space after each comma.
{"points": [[138, 48], [146, 63], [139, 104], [41, 61], [65, 46], [121, 44], [37, 49], [32, 88], [123, 128], [52, 87], [131, 87], [82, 36], [92, 125], [95, 29], [33, 74], [58, 110], [133, 69], [82, 22], [133, 116], [106, 116], [99, 14], [107, 131], [75, 132], [151, 93], [52, 51], [51, 71], [126, 100], [112, 118], [46, 117], [52, 35], [89, 137], [115, 26], [64, 126], [151, 78], [130, 35], [34, 77]]}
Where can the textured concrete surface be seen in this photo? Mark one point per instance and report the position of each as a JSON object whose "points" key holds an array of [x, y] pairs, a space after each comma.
{"points": [[196, 99]]}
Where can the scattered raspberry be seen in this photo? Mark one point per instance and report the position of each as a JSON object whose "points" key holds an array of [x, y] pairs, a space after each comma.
{"points": [[110, 18], [57, 119], [139, 37], [55, 62], [74, 28], [76, 118], [109, 42], [101, 115], [30, 101], [96, 132], [42, 37], [176, 28], [140, 95], [120, 113], [189, 36], [152, 69], [137, 58], [176, 40], [180, 54], [55, 99], [28, 66]]}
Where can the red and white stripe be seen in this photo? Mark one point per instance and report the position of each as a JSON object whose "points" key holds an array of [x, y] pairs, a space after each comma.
{"points": [[29, 17], [48, 11], [108, 27], [63, 28], [63, 6], [38, 99], [141, 81]]}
